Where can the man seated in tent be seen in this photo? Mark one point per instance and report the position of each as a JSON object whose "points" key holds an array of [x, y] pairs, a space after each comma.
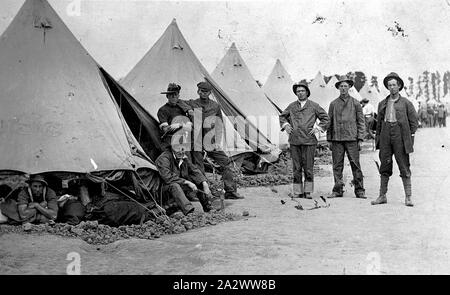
{"points": [[368, 112], [172, 115], [182, 179], [37, 203], [210, 109]]}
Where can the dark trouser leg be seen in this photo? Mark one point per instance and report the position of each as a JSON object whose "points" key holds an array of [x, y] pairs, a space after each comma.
{"points": [[351, 147], [226, 164], [177, 193], [297, 186], [386, 151], [366, 121], [308, 166], [337, 153], [197, 160], [204, 200], [402, 159], [385, 155]]}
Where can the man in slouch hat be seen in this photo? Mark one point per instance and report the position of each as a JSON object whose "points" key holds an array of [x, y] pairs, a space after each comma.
{"points": [[346, 133], [397, 124], [298, 120]]}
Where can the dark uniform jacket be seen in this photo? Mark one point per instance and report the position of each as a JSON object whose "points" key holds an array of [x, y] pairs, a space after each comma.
{"points": [[347, 121], [407, 119], [302, 121], [168, 112], [171, 173], [166, 115], [210, 108]]}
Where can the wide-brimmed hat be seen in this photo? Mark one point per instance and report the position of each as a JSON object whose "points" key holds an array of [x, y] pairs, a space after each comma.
{"points": [[344, 79], [172, 88], [393, 76], [300, 84], [204, 86], [38, 178]]}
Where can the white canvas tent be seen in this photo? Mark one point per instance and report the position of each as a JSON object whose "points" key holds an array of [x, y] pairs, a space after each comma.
{"points": [[354, 93], [278, 86], [171, 59], [318, 81], [319, 92], [331, 93], [332, 81], [57, 114], [233, 75], [371, 93]]}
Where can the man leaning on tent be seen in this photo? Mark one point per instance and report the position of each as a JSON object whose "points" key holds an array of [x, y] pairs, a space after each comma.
{"points": [[209, 109]]}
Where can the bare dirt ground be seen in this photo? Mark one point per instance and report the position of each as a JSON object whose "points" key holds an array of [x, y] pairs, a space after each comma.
{"points": [[349, 237]]}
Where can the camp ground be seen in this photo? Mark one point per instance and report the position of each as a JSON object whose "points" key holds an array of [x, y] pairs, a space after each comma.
{"points": [[92, 180]]}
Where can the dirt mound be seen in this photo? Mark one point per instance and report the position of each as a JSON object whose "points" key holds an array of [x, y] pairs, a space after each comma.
{"points": [[94, 233], [279, 173]]}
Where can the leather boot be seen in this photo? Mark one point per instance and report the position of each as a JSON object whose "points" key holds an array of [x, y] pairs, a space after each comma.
{"points": [[307, 196], [204, 200], [233, 196], [408, 191], [384, 180]]}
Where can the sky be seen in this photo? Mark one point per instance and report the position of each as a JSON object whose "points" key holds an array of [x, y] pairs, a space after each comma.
{"points": [[331, 36]]}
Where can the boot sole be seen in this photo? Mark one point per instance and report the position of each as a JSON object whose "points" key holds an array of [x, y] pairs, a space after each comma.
{"points": [[378, 203]]}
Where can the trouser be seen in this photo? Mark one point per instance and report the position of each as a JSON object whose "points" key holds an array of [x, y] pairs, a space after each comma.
{"points": [[176, 191], [391, 143], [223, 161], [369, 120], [430, 120], [441, 122], [338, 150], [303, 163]]}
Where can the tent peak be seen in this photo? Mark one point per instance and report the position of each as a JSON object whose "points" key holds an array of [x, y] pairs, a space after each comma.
{"points": [[174, 21], [233, 46]]}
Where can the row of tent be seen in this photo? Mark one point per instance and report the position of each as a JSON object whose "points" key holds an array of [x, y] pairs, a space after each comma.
{"points": [[61, 111], [279, 84]]}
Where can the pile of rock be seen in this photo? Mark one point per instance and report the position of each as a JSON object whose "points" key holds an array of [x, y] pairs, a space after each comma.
{"points": [[279, 173], [94, 233]]}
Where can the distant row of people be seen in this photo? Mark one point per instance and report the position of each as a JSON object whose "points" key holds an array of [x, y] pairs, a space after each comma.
{"points": [[432, 115]]}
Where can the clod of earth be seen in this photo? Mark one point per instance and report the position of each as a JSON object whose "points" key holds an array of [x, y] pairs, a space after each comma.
{"points": [[94, 233]]}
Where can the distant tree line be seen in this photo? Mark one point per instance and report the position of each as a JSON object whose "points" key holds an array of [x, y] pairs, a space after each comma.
{"points": [[431, 85]]}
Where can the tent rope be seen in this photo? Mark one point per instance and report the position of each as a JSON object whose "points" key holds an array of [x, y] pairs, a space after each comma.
{"points": [[128, 196]]}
